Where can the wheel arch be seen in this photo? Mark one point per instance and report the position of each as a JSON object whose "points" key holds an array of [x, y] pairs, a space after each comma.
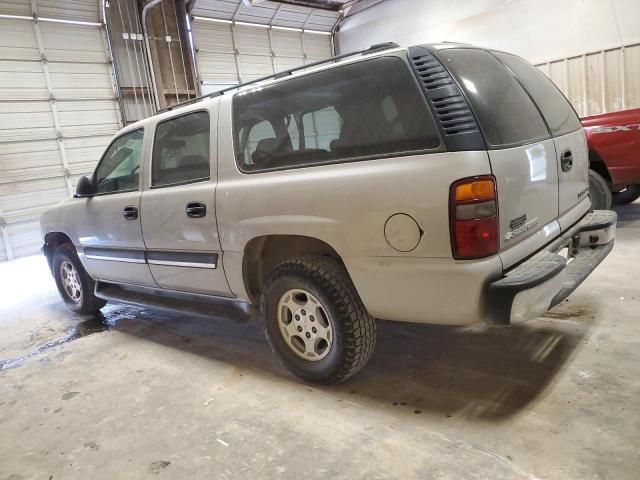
{"points": [[599, 166], [51, 241], [264, 253]]}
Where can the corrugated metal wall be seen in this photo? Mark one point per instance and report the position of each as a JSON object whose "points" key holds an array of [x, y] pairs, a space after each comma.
{"points": [[599, 82], [57, 111]]}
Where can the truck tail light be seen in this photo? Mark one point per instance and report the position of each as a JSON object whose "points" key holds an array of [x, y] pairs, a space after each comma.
{"points": [[473, 212]]}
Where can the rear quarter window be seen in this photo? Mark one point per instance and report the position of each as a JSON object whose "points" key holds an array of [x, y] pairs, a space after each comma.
{"points": [[556, 109], [362, 110], [506, 114]]}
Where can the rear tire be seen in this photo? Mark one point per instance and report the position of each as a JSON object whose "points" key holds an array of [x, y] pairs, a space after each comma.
{"points": [[629, 195], [600, 193], [315, 321], [74, 283]]}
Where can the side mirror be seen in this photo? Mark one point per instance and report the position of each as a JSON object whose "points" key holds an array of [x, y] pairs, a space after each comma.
{"points": [[85, 187]]}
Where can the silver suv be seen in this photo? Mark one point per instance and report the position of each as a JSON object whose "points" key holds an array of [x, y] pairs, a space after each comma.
{"points": [[439, 184]]}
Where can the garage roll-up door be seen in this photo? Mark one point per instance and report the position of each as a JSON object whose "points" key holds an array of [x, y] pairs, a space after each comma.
{"points": [[237, 43], [228, 54], [57, 110]]}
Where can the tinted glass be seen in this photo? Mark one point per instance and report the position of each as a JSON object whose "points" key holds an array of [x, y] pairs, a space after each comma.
{"points": [[506, 114], [557, 111], [321, 127], [181, 150], [118, 169], [359, 110]]}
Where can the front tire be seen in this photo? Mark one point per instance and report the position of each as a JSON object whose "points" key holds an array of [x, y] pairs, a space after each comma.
{"points": [[599, 190], [628, 195], [315, 321], [74, 283]]}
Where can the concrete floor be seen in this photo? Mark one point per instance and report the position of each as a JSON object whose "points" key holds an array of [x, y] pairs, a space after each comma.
{"points": [[137, 393]]}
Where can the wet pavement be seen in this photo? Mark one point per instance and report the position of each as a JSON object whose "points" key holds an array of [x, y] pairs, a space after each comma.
{"points": [[137, 393]]}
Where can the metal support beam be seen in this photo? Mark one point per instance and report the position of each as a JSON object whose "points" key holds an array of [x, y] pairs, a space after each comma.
{"points": [[167, 36], [272, 54], [334, 31], [623, 75], [145, 11], [115, 81], [603, 83], [583, 87], [5, 237], [269, 33], [184, 65], [52, 98], [304, 25], [236, 53], [192, 56]]}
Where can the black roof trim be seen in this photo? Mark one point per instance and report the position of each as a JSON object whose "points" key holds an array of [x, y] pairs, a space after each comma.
{"points": [[453, 114]]}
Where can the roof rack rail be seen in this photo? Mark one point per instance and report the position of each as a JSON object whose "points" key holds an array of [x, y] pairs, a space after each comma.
{"points": [[283, 73]]}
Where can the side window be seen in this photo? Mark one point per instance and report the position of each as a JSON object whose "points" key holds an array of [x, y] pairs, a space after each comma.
{"points": [[364, 109], [181, 150], [118, 170], [506, 114], [294, 133], [257, 132], [321, 127], [555, 108]]}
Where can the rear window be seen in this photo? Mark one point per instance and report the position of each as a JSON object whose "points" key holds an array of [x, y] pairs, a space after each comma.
{"points": [[557, 111], [356, 111], [506, 114]]}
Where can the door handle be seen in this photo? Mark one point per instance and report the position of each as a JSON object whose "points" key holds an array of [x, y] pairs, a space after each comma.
{"points": [[130, 212], [566, 160], [196, 209]]}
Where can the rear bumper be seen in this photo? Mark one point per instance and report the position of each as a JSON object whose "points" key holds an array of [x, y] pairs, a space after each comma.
{"points": [[547, 278]]}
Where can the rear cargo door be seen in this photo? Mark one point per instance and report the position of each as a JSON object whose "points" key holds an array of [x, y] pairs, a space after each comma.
{"points": [[568, 137], [521, 152], [573, 175]]}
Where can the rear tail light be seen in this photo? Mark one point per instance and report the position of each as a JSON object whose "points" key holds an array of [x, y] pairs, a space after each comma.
{"points": [[473, 204]]}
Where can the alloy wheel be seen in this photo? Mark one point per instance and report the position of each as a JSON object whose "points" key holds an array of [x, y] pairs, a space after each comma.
{"points": [[304, 325]]}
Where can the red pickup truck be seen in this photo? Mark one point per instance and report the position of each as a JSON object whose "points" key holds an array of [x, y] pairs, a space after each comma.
{"points": [[614, 157]]}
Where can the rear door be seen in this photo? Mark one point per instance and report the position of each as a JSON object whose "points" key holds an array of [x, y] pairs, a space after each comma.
{"points": [[178, 209], [568, 137], [521, 151]]}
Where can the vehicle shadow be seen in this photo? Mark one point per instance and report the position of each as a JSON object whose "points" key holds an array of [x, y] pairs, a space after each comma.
{"points": [[628, 215], [486, 374]]}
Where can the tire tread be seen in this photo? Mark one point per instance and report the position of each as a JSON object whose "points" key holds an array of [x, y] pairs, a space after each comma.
{"points": [[90, 303], [358, 326]]}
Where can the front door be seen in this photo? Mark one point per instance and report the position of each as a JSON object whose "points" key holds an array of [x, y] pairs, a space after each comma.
{"points": [[108, 223], [178, 208]]}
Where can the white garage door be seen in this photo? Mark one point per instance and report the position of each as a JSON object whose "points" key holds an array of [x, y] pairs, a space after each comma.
{"points": [[57, 110], [237, 43]]}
